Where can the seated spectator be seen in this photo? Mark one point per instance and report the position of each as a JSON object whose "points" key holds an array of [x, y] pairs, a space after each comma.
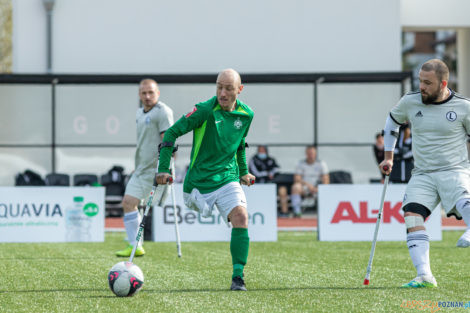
{"points": [[263, 166], [308, 174], [379, 150], [403, 161]]}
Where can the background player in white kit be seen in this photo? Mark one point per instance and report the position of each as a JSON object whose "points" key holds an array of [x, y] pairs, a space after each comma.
{"points": [[153, 119], [440, 122]]}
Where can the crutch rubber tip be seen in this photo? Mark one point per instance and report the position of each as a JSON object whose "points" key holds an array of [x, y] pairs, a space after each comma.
{"points": [[366, 282]]}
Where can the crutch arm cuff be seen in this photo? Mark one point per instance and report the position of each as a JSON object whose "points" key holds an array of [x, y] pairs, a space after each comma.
{"points": [[243, 146], [165, 144]]}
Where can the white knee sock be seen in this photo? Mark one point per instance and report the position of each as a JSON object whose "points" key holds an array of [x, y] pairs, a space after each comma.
{"points": [[463, 206], [418, 246], [295, 201], [131, 222]]}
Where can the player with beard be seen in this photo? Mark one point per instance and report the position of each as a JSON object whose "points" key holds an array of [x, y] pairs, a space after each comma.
{"points": [[440, 124]]}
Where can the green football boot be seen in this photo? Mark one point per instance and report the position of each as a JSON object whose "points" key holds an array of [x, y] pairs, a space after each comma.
{"points": [[421, 282], [128, 250]]}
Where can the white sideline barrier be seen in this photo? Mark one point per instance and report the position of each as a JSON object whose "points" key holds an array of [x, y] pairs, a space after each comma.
{"points": [[349, 213], [262, 224], [50, 214]]}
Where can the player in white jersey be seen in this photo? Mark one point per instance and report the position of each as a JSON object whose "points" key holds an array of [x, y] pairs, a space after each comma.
{"points": [[153, 119], [440, 123]]}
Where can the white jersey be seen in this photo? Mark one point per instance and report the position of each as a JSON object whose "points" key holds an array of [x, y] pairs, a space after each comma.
{"points": [[149, 127], [312, 173], [439, 131]]}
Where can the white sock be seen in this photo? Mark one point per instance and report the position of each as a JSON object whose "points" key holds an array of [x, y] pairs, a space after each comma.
{"points": [[295, 201], [131, 222], [418, 246], [463, 207]]}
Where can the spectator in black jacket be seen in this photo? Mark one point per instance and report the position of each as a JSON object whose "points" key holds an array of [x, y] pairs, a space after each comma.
{"points": [[403, 157], [263, 166], [379, 150]]}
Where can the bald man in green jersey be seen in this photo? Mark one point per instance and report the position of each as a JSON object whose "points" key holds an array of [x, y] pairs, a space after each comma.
{"points": [[218, 163]]}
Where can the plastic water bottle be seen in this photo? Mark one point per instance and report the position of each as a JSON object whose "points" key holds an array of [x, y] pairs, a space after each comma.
{"points": [[73, 220], [85, 231]]}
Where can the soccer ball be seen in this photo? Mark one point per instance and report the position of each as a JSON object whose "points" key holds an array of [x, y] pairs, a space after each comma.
{"points": [[125, 279]]}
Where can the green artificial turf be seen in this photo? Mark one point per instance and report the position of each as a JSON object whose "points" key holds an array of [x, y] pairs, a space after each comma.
{"points": [[295, 274]]}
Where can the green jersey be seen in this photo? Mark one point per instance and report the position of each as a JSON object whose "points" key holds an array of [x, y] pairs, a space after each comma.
{"points": [[218, 151]]}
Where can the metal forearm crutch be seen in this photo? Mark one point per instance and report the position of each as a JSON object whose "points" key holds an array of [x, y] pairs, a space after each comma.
{"points": [[147, 208], [377, 225], [175, 211]]}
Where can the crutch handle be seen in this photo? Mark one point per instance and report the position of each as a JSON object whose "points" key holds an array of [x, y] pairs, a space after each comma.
{"points": [[251, 182], [168, 180]]}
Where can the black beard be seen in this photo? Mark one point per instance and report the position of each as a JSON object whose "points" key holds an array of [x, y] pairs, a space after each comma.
{"points": [[430, 98]]}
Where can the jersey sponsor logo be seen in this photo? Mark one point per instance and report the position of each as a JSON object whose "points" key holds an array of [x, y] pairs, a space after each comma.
{"points": [[191, 113], [147, 120], [217, 122], [419, 114], [451, 116], [238, 123]]}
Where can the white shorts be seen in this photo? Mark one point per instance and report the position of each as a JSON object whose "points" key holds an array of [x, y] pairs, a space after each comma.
{"points": [[139, 185], [306, 192], [446, 187], [226, 198]]}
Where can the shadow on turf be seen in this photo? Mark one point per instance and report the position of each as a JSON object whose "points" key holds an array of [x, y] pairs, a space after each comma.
{"points": [[268, 289], [51, 290], [51, 258], [192, 290]]}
